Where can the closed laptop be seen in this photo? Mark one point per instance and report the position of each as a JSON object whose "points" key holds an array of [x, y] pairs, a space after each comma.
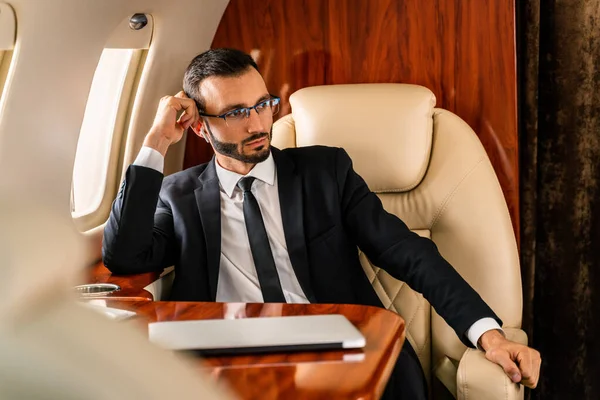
{"points": [[258, 335]]}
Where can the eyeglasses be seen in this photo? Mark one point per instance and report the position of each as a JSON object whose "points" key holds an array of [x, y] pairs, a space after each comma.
{"points": [[237, 117]]}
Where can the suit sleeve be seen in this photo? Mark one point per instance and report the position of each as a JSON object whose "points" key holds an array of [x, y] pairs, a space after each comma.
{"points": [[139, 234], [389, 244]]}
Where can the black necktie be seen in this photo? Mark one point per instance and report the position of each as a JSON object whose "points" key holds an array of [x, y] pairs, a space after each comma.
{"points": [[259, 245]]}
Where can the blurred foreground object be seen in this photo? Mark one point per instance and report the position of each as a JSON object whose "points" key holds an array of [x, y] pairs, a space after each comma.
{"points": [[53, 348]]}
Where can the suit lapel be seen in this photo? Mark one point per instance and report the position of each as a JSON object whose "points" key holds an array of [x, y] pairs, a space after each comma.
{"points": [[209, 206], [292, 214]]}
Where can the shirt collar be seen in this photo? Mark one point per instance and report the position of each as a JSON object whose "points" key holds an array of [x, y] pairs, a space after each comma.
{"points": [[263, 171]]}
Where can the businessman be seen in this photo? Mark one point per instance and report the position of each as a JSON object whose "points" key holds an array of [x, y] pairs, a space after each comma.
{"points": [[258, 224]]}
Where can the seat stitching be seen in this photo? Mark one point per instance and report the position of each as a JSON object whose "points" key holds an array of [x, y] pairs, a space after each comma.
{"points": [[444, 204], [384, 291], [424, 344], [392, 298], [505, 388], [392, 305], [464, 374], [413, 317]]}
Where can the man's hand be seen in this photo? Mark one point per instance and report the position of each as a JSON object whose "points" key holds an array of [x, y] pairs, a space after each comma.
{"points": [[520, 363], [167, 129]]}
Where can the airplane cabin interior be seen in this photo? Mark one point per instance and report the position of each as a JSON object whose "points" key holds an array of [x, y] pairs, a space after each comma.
{"points": [[299, 199]]}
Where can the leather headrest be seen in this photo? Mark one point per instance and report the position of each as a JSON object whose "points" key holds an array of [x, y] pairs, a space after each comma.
{"points": [[385, 128]]}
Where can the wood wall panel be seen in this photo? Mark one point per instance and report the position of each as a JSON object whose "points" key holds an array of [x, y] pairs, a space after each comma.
{"points": [[463, 50]]}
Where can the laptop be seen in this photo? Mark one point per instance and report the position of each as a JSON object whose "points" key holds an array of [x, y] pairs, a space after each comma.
{"points": [[258, 335]]}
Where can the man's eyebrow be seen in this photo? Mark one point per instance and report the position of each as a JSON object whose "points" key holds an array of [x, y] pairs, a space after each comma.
{"points": [[231, 107]]}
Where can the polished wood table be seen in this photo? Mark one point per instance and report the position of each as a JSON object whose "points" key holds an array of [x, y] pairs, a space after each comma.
{"points": [[344, 374], [132, 286]]}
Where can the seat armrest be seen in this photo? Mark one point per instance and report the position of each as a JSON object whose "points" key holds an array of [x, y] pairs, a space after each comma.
{"points": [[478, 378]]}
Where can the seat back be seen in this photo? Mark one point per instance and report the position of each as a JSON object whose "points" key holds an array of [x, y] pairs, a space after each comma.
{"points": [[429, 168]]}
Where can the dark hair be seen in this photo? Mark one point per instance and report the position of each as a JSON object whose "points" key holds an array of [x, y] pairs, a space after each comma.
{"points": [[214, 62]]}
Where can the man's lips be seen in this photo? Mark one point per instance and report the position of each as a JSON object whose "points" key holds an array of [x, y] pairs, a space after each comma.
{"points": [[257, 141]]}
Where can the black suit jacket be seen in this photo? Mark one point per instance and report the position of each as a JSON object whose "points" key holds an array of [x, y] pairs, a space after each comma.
{"points": [[327, 211]]}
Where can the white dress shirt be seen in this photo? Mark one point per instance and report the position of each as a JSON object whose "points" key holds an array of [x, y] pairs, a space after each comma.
{"points": [[238, 281]]}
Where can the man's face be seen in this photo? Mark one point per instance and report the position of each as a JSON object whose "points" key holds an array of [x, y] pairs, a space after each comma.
{"points": [[248, 139]]}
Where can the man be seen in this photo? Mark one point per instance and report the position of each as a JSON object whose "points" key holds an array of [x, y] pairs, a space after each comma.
{"points": [[260, 224]]}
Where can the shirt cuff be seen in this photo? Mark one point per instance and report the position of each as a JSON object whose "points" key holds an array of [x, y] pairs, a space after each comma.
{"points": [[480, 327], [150, 158]]}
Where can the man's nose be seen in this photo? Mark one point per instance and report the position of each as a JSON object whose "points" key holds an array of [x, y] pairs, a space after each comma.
{"points": [[255, 122]]}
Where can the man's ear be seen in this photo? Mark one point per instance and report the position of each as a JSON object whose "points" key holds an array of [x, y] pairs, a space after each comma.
{"points": [[204, 134], [200, 130], [197, 128]]}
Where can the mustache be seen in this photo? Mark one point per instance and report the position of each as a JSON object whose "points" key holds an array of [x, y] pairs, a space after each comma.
{"points": [[254, 137]]}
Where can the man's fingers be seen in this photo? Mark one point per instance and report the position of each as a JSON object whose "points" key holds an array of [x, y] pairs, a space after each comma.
{"points": [[529, 364], [185, 101], [525, 365], [184, 118], [502, 358], [181, 95], [190, 113], [529, 382], [192, 109], [520, 363]]}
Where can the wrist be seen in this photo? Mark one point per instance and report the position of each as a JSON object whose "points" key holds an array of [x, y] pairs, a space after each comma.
{"points": [[491, 339], [157, 142]]}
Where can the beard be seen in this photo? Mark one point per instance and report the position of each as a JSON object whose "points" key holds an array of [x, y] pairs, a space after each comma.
{"points": [[232, 150]]}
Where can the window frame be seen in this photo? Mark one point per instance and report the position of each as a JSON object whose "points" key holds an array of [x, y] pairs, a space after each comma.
{"points": [[97, 217]]}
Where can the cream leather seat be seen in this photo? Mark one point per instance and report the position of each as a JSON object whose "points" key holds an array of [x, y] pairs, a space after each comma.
{"points": [[430, 169]]}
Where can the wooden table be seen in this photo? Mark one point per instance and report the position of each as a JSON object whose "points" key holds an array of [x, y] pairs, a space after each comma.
{"points": [[132, 286], [351, 374]]}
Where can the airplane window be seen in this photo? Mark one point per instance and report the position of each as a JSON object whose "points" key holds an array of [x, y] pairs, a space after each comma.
{"points": [[105, 120], [5, 59], [8, 23]]}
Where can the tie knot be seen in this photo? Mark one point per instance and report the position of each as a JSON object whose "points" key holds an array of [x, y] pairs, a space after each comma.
{"points": [[246, 183]]}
